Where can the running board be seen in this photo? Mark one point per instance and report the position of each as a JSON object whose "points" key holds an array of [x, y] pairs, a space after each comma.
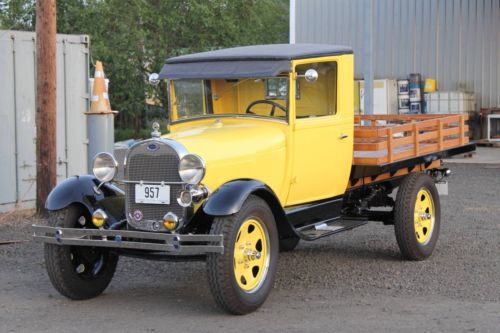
{"points": [[327, 228]]}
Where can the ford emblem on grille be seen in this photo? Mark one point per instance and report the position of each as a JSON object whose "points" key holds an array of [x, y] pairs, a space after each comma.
{"points": [[137, 215], [153, 147]]}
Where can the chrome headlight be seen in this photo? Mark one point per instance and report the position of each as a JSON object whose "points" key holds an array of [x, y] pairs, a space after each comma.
{"points": [[105, 167], [192, 169]]}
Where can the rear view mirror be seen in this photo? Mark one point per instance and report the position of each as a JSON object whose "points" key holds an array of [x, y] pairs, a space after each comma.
{"points": [[154, 79], [311, 75]]}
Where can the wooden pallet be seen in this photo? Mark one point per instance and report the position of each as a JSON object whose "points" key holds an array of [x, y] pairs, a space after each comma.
{"points": [[382, 139]]}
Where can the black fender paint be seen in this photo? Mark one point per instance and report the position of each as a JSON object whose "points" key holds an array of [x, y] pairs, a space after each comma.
{"points": [[81, 190], [229, 198]]}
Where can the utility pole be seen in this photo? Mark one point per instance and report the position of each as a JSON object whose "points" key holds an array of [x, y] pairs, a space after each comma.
{"points": [[368, 59], [45, 101]]}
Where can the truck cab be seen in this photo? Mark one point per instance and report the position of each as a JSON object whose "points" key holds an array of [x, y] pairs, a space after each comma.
{"points": [[262, 150], [275, 125]]}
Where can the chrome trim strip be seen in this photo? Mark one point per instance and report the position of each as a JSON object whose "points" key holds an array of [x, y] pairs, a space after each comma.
{"points": [[147, 182], [134, 240], [177, 146]]}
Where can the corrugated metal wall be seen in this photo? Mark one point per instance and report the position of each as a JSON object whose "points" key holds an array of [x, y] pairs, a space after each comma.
{"points": [[455, 41], [17, 113]]}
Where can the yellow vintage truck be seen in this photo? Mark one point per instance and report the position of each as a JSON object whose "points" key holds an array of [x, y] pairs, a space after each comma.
{"points": [[262, 150]]}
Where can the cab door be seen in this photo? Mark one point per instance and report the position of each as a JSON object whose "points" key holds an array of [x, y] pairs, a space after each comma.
{"points": [[322, 133]]}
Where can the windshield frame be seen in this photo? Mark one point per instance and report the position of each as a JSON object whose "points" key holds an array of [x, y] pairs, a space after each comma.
{"points": [[286, 119]]}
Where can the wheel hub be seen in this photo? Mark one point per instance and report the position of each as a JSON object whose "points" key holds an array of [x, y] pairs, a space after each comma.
{"points": [[424, 216], [251, 258]]}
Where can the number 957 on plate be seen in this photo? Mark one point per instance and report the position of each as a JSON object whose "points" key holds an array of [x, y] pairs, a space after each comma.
{"points": [[152, 194]]}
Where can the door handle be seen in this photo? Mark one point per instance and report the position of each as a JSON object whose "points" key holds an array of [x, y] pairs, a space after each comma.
{"points": [[343, 136]]}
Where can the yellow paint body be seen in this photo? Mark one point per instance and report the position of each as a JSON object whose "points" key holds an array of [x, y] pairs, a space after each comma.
{"points": [[301, 160]]}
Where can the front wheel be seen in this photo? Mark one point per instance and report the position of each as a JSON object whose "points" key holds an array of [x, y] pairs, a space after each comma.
{"points": [[242, 277], [78, 272], [417, 216]]}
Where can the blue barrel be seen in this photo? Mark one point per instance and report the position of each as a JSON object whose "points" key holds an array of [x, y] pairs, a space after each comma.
{"points": [[415, 87]]}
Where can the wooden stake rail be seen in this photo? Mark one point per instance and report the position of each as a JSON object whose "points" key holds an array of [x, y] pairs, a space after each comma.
{"points": [[381, 139]]}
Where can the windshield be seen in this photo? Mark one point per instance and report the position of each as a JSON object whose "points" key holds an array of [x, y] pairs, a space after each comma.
{"points": [[261, 97]]}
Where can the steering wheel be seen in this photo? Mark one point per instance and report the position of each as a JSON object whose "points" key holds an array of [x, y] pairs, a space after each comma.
{"points": [[265, 101]]}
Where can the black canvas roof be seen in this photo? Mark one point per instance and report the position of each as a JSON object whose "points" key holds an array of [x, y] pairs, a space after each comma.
{"points": [[264, 52], [245, 61]]}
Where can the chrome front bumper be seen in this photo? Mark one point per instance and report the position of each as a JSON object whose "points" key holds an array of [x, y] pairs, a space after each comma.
{"points": [[136, 240]]}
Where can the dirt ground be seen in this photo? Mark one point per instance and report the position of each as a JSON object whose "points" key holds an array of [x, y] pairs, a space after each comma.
{"points": [[350, 282]]}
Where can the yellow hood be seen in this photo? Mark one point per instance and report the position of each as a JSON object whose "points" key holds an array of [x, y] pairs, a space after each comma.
{"points": [[236, 149]]}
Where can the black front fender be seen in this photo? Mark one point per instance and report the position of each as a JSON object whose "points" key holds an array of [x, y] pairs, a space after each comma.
{"points": [[229, 199], [82, 190]]}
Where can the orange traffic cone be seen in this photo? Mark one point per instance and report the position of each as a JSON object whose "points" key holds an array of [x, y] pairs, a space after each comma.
{"points": [[100, 98]]}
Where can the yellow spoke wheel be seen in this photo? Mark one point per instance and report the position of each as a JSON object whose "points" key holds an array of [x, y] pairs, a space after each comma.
{"points": [[251, 260], [417, 216], [242, 276], [423, 219]]}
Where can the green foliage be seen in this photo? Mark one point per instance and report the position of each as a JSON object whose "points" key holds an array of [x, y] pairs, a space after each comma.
{"points": [[17, 14], [134, 37]]}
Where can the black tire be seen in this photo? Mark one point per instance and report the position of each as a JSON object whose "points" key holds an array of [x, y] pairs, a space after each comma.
{"points": [[77, 272], [289, 244], [409, 240], [221, 268]]}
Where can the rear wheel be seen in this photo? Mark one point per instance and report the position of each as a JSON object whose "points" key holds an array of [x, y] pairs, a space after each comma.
{"points": [[78, 272], [242, 277], [417, 216]]}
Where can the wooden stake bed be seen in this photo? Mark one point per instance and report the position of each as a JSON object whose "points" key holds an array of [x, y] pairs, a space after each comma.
{"points": [[383, 139]]}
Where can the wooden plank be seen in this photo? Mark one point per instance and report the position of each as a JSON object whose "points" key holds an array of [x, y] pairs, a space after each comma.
{"points": [[423, 133], [440, 135], [462, 131], [452, 143], [427, 124], [428, 148], [368, 133], [370, 145], [451, 131], [403, 154], [369, 160], [402, 117], [397, 142], [416, 142], [432, 135], [402, 128], [389, 144]]}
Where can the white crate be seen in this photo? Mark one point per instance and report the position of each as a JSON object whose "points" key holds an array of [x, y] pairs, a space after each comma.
{"points": [[450, 102], [489, 120]]}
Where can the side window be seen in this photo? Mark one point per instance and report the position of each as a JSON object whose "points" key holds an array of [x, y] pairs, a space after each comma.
{"points": [[317, 98]]}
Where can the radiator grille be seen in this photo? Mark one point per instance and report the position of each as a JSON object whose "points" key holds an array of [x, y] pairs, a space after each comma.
{"points": [[152, 166]]}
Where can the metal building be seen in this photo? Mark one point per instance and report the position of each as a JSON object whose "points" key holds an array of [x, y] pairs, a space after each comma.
{"points": [[456, 42], [17, 113]]}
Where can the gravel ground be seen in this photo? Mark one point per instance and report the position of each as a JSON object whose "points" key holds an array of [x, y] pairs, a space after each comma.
{"points": [[351, 282]]}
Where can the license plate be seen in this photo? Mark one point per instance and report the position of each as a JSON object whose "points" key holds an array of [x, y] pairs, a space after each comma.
{"points": [[152, 194], [442, 187]]}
